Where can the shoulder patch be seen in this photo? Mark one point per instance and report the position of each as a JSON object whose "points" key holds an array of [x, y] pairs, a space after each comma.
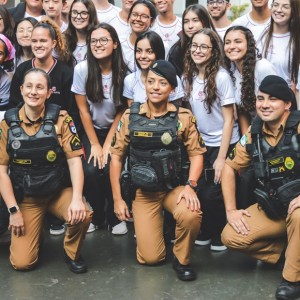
{"points": [[243, 140], [72, 127], [119, 125], [232, 154], [193, 120], [179, 125], [68, 119], [75, 143], [201, 141]]}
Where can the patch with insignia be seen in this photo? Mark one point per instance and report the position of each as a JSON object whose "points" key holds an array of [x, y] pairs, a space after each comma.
{"points": [[243, 141], [68, 119], [179, 125], [201, 142], [193, 120], [119, 126], [232, 154], [72, 127], [113, 141], [75, 143]]}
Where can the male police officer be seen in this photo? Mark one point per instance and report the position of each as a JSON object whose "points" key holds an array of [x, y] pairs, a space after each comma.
{"points": [[155, 133], [40, 147], [272, 146]]}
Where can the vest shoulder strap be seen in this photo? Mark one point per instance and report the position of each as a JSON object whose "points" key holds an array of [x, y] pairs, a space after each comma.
{"points": [[12, 119], [293, 119], [256, 126], [51, 117]]}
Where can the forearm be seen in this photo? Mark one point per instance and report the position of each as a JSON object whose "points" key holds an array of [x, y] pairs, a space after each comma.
{"points": [[77, 176], [115, 173], [6, 189], [89, 129], [228, 188], [226, 137], [113, 128], [196, 167]]}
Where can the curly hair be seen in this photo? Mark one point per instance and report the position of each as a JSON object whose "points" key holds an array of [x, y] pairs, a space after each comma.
{"points": [[212, 67], [294, 42], [55, 33], [70, 33], [94, 89], [248, 97]]}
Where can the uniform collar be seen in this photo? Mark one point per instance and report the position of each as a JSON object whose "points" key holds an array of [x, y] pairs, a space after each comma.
{"points": [[24, 118], [145, 110], [281, 127]]}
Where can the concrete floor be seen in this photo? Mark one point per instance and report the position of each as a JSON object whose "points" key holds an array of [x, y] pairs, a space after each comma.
{"points": [[115, 274]]}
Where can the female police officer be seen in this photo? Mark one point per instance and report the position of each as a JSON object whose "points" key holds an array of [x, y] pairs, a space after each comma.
{"points": [[155, 133], [41, 149]]}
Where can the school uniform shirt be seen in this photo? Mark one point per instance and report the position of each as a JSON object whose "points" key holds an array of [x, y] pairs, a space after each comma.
{"points": [[103, 113], [263, 68], [128, 52], [4, 89], [61, 80], [79, 54], [120, 25], [221, 31], [168, 32], [210, 125], [106, 15], [135, 89], [278, 54]]}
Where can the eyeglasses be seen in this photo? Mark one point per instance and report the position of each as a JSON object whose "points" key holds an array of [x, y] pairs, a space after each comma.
{"points": [[217, 2], [203, 48], [103, 41], [143, 17], [83, 14]]}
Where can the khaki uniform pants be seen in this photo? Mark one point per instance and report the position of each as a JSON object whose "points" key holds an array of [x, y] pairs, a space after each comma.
{"points": [[148, 222], [267, 238], [24, 249]]}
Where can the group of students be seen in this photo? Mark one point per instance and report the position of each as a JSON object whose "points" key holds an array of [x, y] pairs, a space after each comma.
{"points": [[99, 62]]}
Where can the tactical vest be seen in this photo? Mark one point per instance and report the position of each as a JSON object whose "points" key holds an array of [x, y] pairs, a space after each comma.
{"points": [[155, 152], [276, 169], [38, 166]]}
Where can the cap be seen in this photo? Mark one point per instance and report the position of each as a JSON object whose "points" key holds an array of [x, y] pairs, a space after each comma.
{"points": [[166, 70], [277, 87]]}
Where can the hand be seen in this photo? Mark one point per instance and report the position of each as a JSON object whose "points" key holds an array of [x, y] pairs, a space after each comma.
{"points": [[191, 199], [97, 155], [16, 224], [121, 210], [218, 166], [237, 221], [106, 153], [295, 203], [76, 211]]}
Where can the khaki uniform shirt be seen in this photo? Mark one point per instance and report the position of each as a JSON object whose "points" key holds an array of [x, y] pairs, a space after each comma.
{"points": [[187, 131], [65, 131], [239, 158]]}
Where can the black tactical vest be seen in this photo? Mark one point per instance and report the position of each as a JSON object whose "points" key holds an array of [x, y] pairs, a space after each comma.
{"points": [[38, 165], [281, 163], [155, 152]]}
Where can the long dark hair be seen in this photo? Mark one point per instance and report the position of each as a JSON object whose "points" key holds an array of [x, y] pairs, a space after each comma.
{"points": [[8, 23], [248, 97], [211, 69], [94, 89], [155, 42], [294, 43], [19, 49], [70, 33], [146, 3]]}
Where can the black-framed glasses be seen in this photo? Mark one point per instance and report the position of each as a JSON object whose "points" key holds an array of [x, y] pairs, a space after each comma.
{"points": [[217, 2], [143, 17], [83, 14], [103, 41], [203, 47]]}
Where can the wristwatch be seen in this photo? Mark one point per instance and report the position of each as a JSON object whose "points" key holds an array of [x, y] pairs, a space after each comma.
{"points": [[13, 209], [192, 183]]}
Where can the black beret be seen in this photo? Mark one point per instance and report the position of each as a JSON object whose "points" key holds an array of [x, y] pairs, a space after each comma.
{"points": [[165, 69], [277, 87]]}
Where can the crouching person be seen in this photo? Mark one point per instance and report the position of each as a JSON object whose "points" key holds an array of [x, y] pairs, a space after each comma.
{"points": [[41, 170], [156, 133], [272, 147]]}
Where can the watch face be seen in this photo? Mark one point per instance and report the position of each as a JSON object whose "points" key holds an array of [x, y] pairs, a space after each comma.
{"points": [[13, 210], [193, 183]]}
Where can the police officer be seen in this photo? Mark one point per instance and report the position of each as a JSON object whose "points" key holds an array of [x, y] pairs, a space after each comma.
{"points": [[154, 133], [271, 145], [40, 148]]}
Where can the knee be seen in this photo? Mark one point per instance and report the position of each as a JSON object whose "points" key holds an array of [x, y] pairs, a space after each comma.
{"points": [[23, 264], [151, 259], [232, 239], [294, 217], [188, 219]]}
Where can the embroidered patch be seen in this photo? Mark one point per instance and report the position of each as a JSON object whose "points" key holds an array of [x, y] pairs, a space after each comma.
{"points": [[232, 154], [72, 127], [75, 143], [119, 126], [113, 141], [243, 140], [201, 141], [289, 163], [193, 120], [179, 125], [51, 156], [68, 119]]}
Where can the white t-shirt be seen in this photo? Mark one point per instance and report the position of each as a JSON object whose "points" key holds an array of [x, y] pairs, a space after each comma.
{"points": [[26, 15], [135, 89], [106, 15], [211, 125], [168, 32], [4, 88], [80, 53], [103, 114], [221, 31], [120, 25], [263, 68], [63, 27], [278, 54], [128, 52]]}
